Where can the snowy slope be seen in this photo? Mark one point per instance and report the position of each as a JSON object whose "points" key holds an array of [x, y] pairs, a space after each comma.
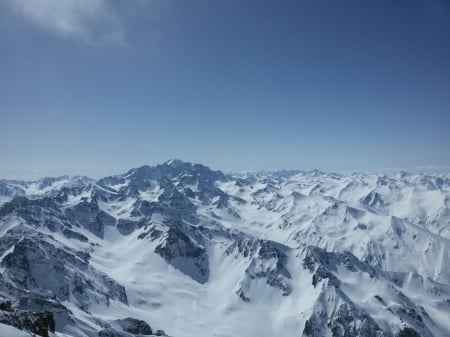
{"points": [[196, 252], [8, 330]]}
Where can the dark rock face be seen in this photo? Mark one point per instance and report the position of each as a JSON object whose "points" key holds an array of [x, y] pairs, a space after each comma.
{"points": [[174, 199], [110, 332], [70, 234], [6, 305], [40, 323], [268, 261], [178, 181], [37, 213], [147, 208], [242, 296], [34, 263], [88, 215], [408, 332], [172, 204], [245, 247], [345, 319], [126, 227], [11, 188], [184, 254], [152, 233], [21, 203], [129, 327], [309, 329], [174, 169], [276, 274], [373, 199], [134, 326], [322, 264], [343, 323], [36, 302]]}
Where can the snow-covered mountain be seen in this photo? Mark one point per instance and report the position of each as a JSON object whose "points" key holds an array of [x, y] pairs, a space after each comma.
{"points": [[182, 250]]}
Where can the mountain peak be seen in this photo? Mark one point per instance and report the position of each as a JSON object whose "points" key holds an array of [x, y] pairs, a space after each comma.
{"points": [[175, 162], [303, 247], [171, 169]]}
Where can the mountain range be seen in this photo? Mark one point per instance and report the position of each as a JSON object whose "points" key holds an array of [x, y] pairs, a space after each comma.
{"points": [[181, 250]]}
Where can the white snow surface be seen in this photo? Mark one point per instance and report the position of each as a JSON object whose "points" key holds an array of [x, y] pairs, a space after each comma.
{"points": [[10, 331], [398, 224]]}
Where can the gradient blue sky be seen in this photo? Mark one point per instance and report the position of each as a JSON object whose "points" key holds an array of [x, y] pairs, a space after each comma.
{"points": [[96, 87]]}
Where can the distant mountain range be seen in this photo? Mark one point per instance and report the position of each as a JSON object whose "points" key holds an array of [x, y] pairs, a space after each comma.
{"points": [[181, 250]]}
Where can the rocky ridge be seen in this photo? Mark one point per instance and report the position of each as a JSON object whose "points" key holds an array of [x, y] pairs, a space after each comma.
{"points": [[316, 254]]}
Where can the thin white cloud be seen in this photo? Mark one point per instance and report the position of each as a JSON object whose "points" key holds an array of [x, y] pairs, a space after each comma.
{"points": [[94, 21]]}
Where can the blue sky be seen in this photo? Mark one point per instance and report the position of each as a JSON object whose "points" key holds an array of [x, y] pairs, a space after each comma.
{"points": [[96, 87]]}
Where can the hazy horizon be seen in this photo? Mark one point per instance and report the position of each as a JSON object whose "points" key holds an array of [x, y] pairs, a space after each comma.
{"points": [[35, 174]]}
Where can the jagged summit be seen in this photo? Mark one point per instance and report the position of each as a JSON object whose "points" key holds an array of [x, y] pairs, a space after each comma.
{"points": [[180, 247], [174, 162], [170, 169]]}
